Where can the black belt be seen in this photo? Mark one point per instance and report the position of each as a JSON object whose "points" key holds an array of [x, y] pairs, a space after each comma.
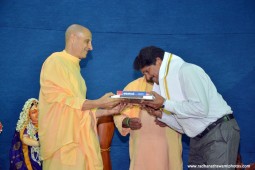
{"points": [[211, 126]]}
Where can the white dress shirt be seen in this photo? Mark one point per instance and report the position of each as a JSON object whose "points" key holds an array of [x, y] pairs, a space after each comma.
{"points": [[200, 105]]}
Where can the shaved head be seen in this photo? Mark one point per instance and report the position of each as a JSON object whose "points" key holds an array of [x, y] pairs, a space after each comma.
{"points": [[75, 29], [78, 40]]}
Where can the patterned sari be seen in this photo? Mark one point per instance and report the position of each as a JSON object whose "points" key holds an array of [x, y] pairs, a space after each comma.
{"points": [[22, 156]]}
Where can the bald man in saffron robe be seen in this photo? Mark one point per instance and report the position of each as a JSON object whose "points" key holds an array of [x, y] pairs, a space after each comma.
{"points": [[67, 120]]}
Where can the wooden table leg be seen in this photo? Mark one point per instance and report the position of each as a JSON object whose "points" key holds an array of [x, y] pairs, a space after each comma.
{"points": [[105, 128]]}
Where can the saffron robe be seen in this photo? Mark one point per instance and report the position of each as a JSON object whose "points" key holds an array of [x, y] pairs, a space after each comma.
{"points": [[151, 147], [63, 126]]}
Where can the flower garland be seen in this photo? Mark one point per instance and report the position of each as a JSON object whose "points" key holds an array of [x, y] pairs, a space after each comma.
{"points": [[35, 150], [24, 114]]}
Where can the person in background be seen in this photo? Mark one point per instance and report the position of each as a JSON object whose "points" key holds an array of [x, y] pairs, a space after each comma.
{"points": [[67, 120], [151, 144], [24, 152], [187, 100]]}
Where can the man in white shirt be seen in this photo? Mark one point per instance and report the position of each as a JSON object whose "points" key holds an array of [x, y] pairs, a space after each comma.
{"points": [[187, 101]]}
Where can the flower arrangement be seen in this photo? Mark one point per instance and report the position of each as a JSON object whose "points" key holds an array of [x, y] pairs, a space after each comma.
{"points": [[1, 127]]}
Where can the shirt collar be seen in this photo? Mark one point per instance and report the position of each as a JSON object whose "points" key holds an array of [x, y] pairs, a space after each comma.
{"points": [[71, 57]]}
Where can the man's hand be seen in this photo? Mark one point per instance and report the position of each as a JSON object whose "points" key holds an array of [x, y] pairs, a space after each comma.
{"points": [[116, 110], [154, 112], [161, 124], [107, 102], [132, 123], [156, 103], [107, 112]]}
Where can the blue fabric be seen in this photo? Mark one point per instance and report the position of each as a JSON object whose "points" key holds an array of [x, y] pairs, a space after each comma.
{"points": [[16, 155], [217, 35], [17, 160]]}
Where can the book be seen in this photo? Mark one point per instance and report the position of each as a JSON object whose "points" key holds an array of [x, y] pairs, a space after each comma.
{"points": [[131, 93], [141, 95]]}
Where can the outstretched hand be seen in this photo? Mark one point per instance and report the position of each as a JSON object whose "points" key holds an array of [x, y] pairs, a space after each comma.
{"points": [[156, 103], [117, 109], [161, 124], [106, 102], [112, 111], [154, 112]]}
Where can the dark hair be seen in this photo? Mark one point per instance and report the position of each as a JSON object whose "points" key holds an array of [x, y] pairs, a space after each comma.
{"points": [[33, 103], [147, 56]]}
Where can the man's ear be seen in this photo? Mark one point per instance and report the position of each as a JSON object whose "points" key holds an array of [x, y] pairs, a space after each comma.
{"points": [[158, 61]]}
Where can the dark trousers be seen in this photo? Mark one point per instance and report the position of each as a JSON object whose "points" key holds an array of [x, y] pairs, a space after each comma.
{"points": [[218, 147]]}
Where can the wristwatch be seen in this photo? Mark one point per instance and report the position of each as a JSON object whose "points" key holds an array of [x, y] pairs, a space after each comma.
{"points": [[162, 108], [163, 105]]}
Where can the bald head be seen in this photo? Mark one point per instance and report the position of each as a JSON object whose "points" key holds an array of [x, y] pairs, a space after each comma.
{"points": [[78, 40], [75, 29]]}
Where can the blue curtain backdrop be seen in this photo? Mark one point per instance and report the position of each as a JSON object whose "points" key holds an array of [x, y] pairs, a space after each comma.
{"points": [[218, 35]]}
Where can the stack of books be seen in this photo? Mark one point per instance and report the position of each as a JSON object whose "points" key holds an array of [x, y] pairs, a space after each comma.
{"points": [[141, 95]]}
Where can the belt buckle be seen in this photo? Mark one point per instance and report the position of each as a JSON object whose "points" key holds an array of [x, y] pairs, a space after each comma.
{"points": [[199, 135], [214, 124], [226, 118]]}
